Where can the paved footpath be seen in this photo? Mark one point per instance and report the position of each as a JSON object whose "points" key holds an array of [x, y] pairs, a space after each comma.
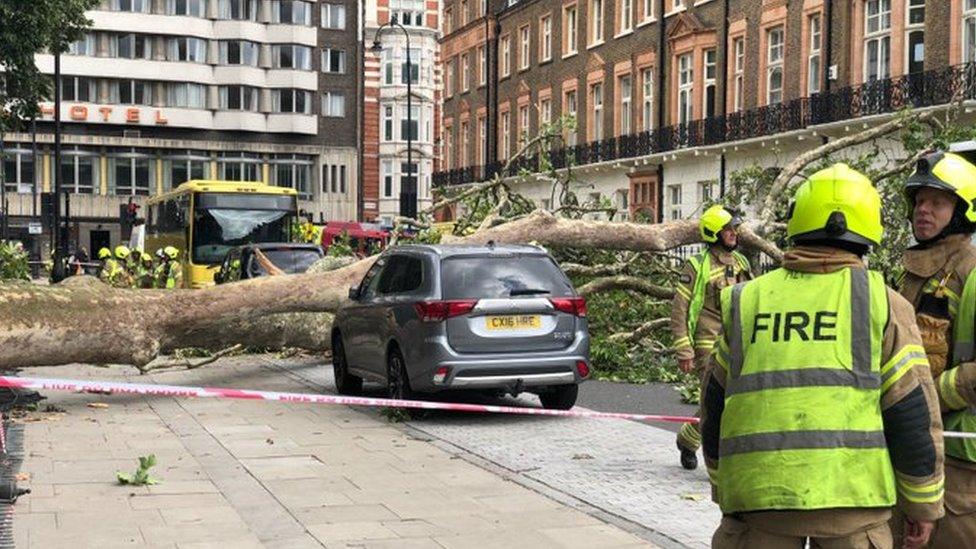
{"points": [[622, 471], [255, 474]]}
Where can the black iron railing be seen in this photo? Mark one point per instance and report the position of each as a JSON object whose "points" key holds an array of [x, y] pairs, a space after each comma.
{"points": [[926, 89]]}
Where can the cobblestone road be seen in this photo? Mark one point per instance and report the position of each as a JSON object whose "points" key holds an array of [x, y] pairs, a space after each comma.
{"points": [[626, 469]]}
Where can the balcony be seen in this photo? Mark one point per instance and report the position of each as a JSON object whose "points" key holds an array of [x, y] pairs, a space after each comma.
{"points": [[931, 88]]}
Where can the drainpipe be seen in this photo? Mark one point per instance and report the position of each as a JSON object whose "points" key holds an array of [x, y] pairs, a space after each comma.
{"points": [[725, 91], [361, 114], [828, 51], [661, 62], [493, 103]]}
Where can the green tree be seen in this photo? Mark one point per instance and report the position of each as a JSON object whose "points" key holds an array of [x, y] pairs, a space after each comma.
{"points": [[28, 27]]}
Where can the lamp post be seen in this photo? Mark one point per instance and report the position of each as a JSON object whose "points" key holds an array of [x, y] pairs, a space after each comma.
{"points": [[408, 191]]}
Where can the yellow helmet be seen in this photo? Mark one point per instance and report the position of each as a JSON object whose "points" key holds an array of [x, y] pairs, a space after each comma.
{"points": [[714, 220], [121, 252], [171, 252], [836, 203], [104, 253], [948, 172], [145, 257]]}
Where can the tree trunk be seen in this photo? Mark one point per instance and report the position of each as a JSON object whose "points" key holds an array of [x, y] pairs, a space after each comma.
{"points": [[85, 321]]}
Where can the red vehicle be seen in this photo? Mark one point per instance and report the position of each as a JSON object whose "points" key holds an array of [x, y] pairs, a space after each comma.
{"points": [[363, 237]]}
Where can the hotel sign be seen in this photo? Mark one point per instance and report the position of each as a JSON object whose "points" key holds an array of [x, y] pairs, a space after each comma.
{"points": [[111, 114]]}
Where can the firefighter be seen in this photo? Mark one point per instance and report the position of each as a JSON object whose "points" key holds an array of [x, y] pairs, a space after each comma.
{"points": [[819, 413], [174, 270], [695, 316], [159, 271], [940, 281], [109, 266], [144, 276]]}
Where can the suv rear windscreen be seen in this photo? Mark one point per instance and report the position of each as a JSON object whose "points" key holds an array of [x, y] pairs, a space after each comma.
{"points": [[290, 260], [501, 277]]}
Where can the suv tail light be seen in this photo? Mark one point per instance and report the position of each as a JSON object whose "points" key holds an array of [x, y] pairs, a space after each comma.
{"points": [[582, 368], [575, 306], [439, 311]]}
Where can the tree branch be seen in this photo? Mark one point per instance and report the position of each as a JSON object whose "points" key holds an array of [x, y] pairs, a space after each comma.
{"points": [[623, 282], [188, 364], [641, 331]]}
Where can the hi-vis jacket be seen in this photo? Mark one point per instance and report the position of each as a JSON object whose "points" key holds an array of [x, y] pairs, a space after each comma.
{"points": [[695, 316], [819, 397]]}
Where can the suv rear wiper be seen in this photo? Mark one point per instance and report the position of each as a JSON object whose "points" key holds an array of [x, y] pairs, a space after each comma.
{"points": [[528, 291]]}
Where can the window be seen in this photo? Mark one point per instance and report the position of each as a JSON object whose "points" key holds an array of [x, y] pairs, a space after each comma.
{"points": [[449, 78], [482, 136], [130, 46], [386, 59], [506, 135], [183, 166], [524, 48], [291, 56], [239, 166], [464, 142], [686, 86], [813, 57], [647, 99], [465, 73], [387, 169], [410, 13], [674, 194], [626, 15], [333, 61], [483, 7], [738, 91], [187, 95], [969, 31], [334, 178], [571, 112], [506, 55], [915, 26], [80, 169], [705, 191], [409, 126], [192, 8], [571, 30], [136, 6], [626, 105], [708, 98], [463, 8], [448, 153], [85, 46], [238, 10], [411, 66], [448, 20], [334, 104], [388, 123], [130, 172], [545, 38], [239, 52], [291, 101], [596, 21], [596, 98], [186, 49], [545, 111], [877, 39], [482, 66], [131, 92], [76, 88], [18, 167], [774, 66], [239, 98], [647, 9], [523, 122], [293, 171], [334, 16], [291, 12], [408, 178]]}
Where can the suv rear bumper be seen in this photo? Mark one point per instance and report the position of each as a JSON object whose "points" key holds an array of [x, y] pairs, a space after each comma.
{"points": [[506, 371]]}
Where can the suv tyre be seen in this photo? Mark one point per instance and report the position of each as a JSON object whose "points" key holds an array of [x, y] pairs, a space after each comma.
{"points": [[346, 383], [560, 397]]}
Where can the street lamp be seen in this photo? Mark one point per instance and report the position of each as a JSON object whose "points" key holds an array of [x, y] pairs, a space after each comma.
{"points": [[408, 191]]}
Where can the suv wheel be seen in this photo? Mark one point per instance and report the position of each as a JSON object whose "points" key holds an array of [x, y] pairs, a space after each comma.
{"points": [[560, 397], [346, 383], [397, 381]]}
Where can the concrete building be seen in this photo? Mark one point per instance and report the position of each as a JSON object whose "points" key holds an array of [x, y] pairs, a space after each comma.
{"points": [[385, 118], [162, 91], [672, 96]]}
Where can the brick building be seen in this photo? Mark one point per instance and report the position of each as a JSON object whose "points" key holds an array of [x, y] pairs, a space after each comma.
{"points": [[671, 96]]}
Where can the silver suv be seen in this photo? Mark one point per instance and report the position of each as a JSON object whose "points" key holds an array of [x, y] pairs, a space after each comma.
{"points": [[433, 318]]}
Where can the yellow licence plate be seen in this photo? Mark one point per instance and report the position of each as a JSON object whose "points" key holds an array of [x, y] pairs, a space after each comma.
{"points": [[513, 322]]}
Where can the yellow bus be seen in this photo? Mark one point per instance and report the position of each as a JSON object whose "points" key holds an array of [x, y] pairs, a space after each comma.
{"points": [[204, 219]]}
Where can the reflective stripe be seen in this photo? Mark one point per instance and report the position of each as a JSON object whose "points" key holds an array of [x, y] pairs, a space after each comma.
{"points": [[736, 355], [797, 440], [804, 377], [921, 494], [722, 355], [860, 322], [948, 391], [685, 292], [892, 372]]}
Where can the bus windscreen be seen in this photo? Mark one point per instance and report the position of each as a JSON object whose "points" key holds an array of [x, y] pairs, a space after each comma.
{"points": [[221, 222]]}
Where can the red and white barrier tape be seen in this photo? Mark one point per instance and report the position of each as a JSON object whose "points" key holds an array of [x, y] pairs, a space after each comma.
{"points": [[111, 387]]}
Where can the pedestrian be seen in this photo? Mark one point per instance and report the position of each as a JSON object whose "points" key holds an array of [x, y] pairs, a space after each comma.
{"points": [[940, 282], [174, 270], [695, 318], [82, 259], [819, 413]]}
